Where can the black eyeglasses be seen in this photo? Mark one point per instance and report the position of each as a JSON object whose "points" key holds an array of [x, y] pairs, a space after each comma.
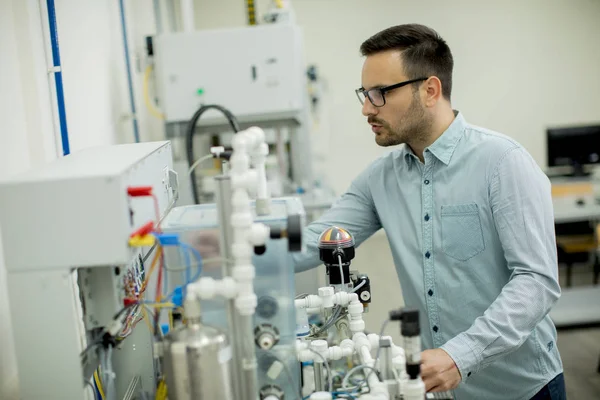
{"points": [[377, 95]]}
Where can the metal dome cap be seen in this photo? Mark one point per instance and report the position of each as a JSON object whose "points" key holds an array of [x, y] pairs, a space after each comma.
{"points": [[335, 238]]}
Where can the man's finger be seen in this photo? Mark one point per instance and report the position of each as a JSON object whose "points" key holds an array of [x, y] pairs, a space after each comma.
{"points": [[431, 382], [433, 389], [426, 370]]}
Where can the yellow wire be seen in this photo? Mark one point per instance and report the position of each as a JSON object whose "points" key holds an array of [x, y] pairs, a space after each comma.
{"points": [[149, 105], [161, 391], [160, 305], [99, 384], [147, 319], [152, 266]]}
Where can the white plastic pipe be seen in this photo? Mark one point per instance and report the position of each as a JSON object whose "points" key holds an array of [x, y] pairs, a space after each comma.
{"points": [[355, 315], [187, 15], [378, 389], [362, 345], [345, 349], [397, 351], [208, 288]]}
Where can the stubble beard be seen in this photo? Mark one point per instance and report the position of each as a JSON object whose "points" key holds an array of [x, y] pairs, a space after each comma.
{"points": [[414, 127]]}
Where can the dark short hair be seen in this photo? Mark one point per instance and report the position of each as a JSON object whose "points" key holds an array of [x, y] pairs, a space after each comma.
{"points": [[424, 52]]}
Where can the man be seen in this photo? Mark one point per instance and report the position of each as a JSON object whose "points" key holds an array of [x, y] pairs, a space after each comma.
{"points": [[469, 219]]}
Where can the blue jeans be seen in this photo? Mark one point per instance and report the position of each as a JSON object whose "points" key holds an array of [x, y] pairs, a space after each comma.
{"points": [[554, 390]]}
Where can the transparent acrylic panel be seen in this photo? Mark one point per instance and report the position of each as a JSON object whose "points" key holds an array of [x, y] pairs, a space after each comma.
{"points": [[274, 283]]}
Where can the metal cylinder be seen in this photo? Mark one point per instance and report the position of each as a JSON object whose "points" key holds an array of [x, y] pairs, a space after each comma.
{"points": [[197, 363], [386, 366], [319, 381], [175, 364], [209, 359]]}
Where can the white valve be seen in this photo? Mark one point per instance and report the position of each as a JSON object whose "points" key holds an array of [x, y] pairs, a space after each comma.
{"points": [[259, 233], [320, 346], [326, 294]]}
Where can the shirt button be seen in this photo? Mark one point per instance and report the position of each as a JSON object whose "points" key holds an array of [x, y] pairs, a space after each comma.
{"points": [[430, 292], [426, 181], [426, 217], [428, 254], [435, 328]]}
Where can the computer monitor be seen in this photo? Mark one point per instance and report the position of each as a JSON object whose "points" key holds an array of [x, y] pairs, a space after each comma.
{"points": [[575, 146]]}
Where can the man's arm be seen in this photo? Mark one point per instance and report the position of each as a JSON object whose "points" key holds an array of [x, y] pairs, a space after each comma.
{"points": [[522, 209], [353, 211]]}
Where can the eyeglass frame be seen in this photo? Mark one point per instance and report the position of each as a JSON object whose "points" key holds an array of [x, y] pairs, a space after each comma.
{"points": [[384, 90]]}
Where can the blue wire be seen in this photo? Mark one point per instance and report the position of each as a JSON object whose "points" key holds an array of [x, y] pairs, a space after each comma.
{"points": [[187, 249], [198, 258], [188, 267], [60, 95], [98, 395], [196, 254], [136, 132], [334, 394]]}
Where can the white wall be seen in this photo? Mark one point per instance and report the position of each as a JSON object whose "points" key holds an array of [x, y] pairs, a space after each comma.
{"points": [[520, 66]]}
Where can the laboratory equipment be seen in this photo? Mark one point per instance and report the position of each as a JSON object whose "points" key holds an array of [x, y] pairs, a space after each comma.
{"points": [[233, 327], [576, 147], [263, 82], [272, 337]]}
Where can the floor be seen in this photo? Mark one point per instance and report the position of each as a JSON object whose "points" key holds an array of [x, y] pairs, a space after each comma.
{"points": [[580, 349]]}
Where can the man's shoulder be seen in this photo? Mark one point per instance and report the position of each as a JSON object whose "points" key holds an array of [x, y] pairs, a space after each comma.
{"points": [[491, 145], [490, 138], [377, 169], [383, 161]]}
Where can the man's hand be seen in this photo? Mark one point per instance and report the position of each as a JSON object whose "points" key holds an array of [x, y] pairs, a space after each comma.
{"points": [[438, 370]]}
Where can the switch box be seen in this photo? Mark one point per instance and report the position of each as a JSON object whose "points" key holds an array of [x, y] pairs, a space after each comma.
{"points": [[257, 72]]}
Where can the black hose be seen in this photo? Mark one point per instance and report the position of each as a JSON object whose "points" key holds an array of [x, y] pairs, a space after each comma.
{"points": [[189, 139]]}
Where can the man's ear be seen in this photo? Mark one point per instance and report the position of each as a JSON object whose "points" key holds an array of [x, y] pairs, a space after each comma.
{"points": [[433, 91]]}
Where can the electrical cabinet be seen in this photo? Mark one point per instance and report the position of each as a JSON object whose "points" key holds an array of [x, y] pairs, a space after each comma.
{"points": [[257, 72], [65, 233]]}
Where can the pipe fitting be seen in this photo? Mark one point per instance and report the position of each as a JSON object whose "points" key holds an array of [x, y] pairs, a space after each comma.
{"points": [[326, 294], [320, 346], [360, 340], [259, 233], [246, 303], [310, 302], [344, 298], [248, 180]]}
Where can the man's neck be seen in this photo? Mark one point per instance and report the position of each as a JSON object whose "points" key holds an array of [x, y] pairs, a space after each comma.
{"points": [[441, 122]]}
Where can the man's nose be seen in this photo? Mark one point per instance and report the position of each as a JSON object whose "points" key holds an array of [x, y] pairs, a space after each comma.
{"points": [[368, 108]]}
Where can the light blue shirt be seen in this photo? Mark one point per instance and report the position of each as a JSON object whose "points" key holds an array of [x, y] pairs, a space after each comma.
{"points": [[471, 230]]}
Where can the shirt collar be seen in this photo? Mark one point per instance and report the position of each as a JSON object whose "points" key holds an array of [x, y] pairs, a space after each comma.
{"points": [[444, 146]]}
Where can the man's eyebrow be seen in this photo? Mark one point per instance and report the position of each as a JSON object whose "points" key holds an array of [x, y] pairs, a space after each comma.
{"points": [[375, 87]]}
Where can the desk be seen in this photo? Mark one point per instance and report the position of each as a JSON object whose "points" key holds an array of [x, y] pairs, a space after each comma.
{"points": [[566, 209], [577, 306], [576, 201]]}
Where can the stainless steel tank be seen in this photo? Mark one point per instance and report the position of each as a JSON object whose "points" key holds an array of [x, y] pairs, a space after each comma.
{"points": [[197, 362]]}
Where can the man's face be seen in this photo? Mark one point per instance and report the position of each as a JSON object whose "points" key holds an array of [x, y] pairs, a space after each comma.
{"points": [[402, 119]]}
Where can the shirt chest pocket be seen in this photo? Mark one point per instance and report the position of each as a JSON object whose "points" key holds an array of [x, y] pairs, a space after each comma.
{"points": [[462, 237]]}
